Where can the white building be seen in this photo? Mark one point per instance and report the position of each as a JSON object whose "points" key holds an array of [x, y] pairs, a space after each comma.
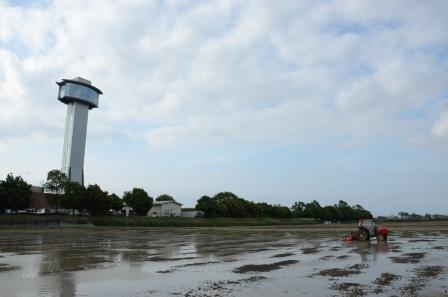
{"points": [[127, 210], [192, 214], [165, 209]]}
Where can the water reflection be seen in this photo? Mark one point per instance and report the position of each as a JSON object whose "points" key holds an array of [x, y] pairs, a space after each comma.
{"points": [[369, 250]]}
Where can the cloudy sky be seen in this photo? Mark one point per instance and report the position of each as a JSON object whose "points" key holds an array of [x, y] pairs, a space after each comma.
{"points": [[277, 101]]}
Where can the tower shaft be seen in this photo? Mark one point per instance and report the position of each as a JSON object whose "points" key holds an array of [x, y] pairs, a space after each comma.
{"points": [[75, 141], [80, 96]]}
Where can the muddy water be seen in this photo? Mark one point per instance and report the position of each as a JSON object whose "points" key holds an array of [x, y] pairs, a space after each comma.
{"points": [[218, 262]]}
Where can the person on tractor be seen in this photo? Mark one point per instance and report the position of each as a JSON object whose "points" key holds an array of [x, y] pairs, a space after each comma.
{"points": [[367, 229]]}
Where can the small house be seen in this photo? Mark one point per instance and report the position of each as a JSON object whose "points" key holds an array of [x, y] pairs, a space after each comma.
{"points": [[165, 209], [127, 210]]}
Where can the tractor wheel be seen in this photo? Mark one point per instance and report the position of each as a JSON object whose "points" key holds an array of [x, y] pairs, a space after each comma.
{"points": [[381, 237], [363, 235]]}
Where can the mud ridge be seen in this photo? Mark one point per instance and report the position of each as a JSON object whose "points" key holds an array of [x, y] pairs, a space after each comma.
{"points": [[386, 279], [312, 250], [7, 267], [342, 272], [423, 274], [282, 255], [349, 289], [264, 267], [408, 258], [219, 288]]}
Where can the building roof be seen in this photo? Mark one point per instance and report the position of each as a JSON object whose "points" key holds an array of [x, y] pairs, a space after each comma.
{"points": [[79, 81], [166, 202]]}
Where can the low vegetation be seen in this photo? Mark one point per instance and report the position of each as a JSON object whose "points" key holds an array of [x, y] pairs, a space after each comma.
{"points": [[195, 222], [222, 209]]}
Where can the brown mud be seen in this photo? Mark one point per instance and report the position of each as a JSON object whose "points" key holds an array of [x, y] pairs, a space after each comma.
{"points": [[264, 267], [342, 272], [6, 267], [349, 289], [283, 255], [219, 288], [312, 250], [409, 258], [420, 280]]}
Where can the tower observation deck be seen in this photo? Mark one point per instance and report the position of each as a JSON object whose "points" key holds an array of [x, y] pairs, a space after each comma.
{"points": [[80, 96]]}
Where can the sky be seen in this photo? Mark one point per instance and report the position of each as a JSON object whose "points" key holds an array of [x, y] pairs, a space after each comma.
{"points": [[276, 101]]}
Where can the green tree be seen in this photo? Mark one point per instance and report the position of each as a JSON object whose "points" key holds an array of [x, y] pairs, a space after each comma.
{"points": [[361, 213], [403, 215], [54, 187], [98, 202], [15, 193], [207, 205], [165, 197], [279, 211], [298, 208], [265, 209], [74, 197], [312, 210], [139, 200], [116, 203], [4, 198], [345, 212], [329, 213], [252, 209], [229, 205]]}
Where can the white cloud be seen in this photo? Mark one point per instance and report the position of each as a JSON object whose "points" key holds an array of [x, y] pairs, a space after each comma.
{"points": [[219, 72], [440, 127]]}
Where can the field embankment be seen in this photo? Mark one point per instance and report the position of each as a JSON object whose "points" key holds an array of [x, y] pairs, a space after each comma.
{"points": [[135, 221], [197, 222]]}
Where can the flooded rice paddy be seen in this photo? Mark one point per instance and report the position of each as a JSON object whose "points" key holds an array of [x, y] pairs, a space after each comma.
{"points": [[219, 262]]}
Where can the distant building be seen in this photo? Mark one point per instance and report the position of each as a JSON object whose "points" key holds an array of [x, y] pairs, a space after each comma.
{"points": [[165, 209], [127, 210], [38, 200], [192, 213]]}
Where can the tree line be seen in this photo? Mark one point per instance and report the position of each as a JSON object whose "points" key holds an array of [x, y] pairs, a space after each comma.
{"points": [[406, 216], [337, 212], [60, 192], [227, 204], [15, 194]]}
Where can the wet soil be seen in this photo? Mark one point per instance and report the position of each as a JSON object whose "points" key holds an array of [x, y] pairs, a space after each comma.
{"points": [[312, 250], [349, 289], [429, 271], [163, 259], [264, 267], [438, 247], [219, 288], [325, 258], [6, 267], [342, 272], [420, 280], [342, 257], [409, 258], [210, 262], [383, 281], [421, 240], [283, 255], [386, 279]]}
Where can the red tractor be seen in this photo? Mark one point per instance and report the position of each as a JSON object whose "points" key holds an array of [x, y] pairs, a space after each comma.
{"points": [[367, 229]]}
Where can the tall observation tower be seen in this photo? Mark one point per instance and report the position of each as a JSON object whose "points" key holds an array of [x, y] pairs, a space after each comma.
{"points": [[80, 96]]}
